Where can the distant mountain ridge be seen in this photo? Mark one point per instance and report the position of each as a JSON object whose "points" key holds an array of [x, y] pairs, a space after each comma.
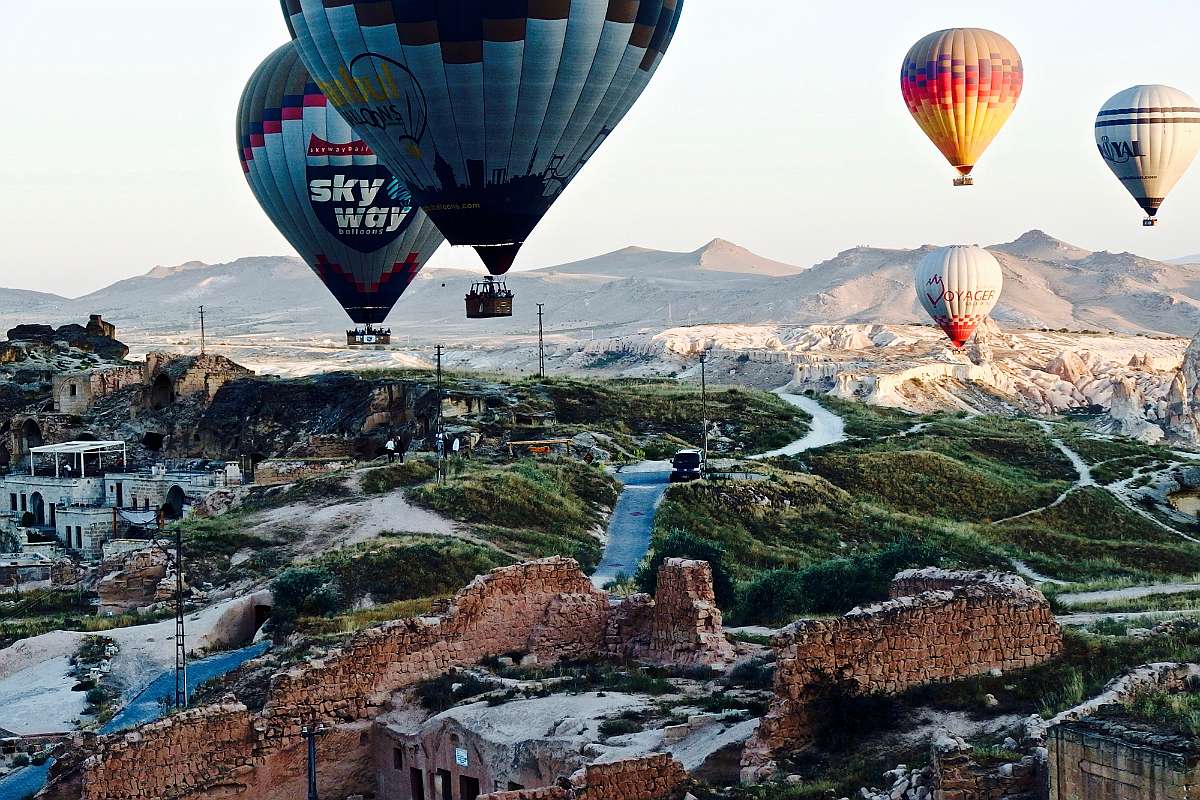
{"points": [[1049, 284]]}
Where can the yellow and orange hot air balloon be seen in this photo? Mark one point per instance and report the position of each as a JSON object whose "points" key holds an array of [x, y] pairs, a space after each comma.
{"points": [[961, 85]]}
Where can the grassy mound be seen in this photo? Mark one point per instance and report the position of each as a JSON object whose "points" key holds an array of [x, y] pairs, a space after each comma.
{"points": [[534, 508]]}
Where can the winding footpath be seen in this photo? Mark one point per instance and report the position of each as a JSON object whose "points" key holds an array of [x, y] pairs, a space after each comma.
{"points": [[646, 484]]}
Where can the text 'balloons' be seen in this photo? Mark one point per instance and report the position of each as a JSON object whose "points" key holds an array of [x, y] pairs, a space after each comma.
{"points": [[348, 216]]}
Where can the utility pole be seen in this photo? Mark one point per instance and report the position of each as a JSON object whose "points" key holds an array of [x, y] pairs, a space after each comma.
{"points": [[181, 687], [704, 402], [440, 437], [541, 344], [201, 330], [310, 734]]}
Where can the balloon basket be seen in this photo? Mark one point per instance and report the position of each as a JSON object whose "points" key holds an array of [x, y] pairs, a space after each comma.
{"points": [[1149, 222], [965, 180], [489, 299]]}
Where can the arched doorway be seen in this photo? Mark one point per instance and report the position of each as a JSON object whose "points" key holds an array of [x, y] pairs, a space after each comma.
{"points": [[162, 392], [31, 435], [5, 456], [37, 507], [173, 507]]}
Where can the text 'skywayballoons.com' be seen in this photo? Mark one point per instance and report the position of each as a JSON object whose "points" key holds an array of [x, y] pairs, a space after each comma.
{"points": [[347, 215], [487, 110]]}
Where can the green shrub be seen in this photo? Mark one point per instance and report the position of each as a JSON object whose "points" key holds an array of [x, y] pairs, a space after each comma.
{"points": [[389, 572], [303, 591], [621, 726], [443, 692], [681, 544], [20, 760], [97, 696], [830, 587]]}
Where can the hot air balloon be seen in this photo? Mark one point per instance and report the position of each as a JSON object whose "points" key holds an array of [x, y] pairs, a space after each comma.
{"points": [[958, 287], [347, 215], [961, 85], [1148, 136], [487, 109]]}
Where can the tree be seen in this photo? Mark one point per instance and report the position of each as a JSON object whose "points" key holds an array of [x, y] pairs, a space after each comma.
{"points": [[303, 592]]}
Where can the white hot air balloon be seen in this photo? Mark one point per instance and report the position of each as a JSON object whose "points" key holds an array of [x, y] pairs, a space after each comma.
{"points": [[1148, 136], [959, 286]]}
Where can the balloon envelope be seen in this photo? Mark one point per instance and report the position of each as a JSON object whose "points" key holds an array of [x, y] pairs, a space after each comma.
{"points": [[347, 215], [961, 85], [958, 287], [1148, 136], [488, 109]]}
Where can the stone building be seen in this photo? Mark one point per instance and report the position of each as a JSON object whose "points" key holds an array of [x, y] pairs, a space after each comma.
{"points": [[548, 609], [78, 510], [77, 392], [1110, 759], [168, 378]]}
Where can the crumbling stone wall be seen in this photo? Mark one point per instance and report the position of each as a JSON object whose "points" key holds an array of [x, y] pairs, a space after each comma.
{"points": [[969, 624], [680, 626], [192, 376], [76, 392], [686, 627], [548, 608], [275, 472], [958, 776], [652, 778]]}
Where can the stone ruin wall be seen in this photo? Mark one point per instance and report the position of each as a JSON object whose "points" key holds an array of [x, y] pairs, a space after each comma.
{"points": [[680, 626], [957, 624], [276, 472], [548, 608], [652, 778], [134, 581]]}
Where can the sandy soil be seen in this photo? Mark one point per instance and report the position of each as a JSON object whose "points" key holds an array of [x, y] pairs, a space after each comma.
{"points": [[323, 528], [35, 690]]}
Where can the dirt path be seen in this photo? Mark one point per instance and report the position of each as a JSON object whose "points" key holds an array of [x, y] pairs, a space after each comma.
{"points": [[1129, 593], [826, 428]]}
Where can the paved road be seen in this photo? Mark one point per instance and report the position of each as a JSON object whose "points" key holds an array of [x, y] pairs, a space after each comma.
{"points": [[142, 709], [647, 482], [632, 519]]}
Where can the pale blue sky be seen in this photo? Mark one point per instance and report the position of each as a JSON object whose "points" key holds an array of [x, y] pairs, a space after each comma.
{"points": [[776, 124]]}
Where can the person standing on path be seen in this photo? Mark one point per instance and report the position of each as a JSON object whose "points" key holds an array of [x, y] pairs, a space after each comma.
{"points": [[391, 449]]}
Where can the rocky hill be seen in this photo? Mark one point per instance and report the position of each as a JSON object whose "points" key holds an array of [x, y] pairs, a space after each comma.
{"points": [[1051, 284]]}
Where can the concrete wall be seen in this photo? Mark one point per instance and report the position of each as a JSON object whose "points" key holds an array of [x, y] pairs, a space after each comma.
{"points": [[968, 624]]}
